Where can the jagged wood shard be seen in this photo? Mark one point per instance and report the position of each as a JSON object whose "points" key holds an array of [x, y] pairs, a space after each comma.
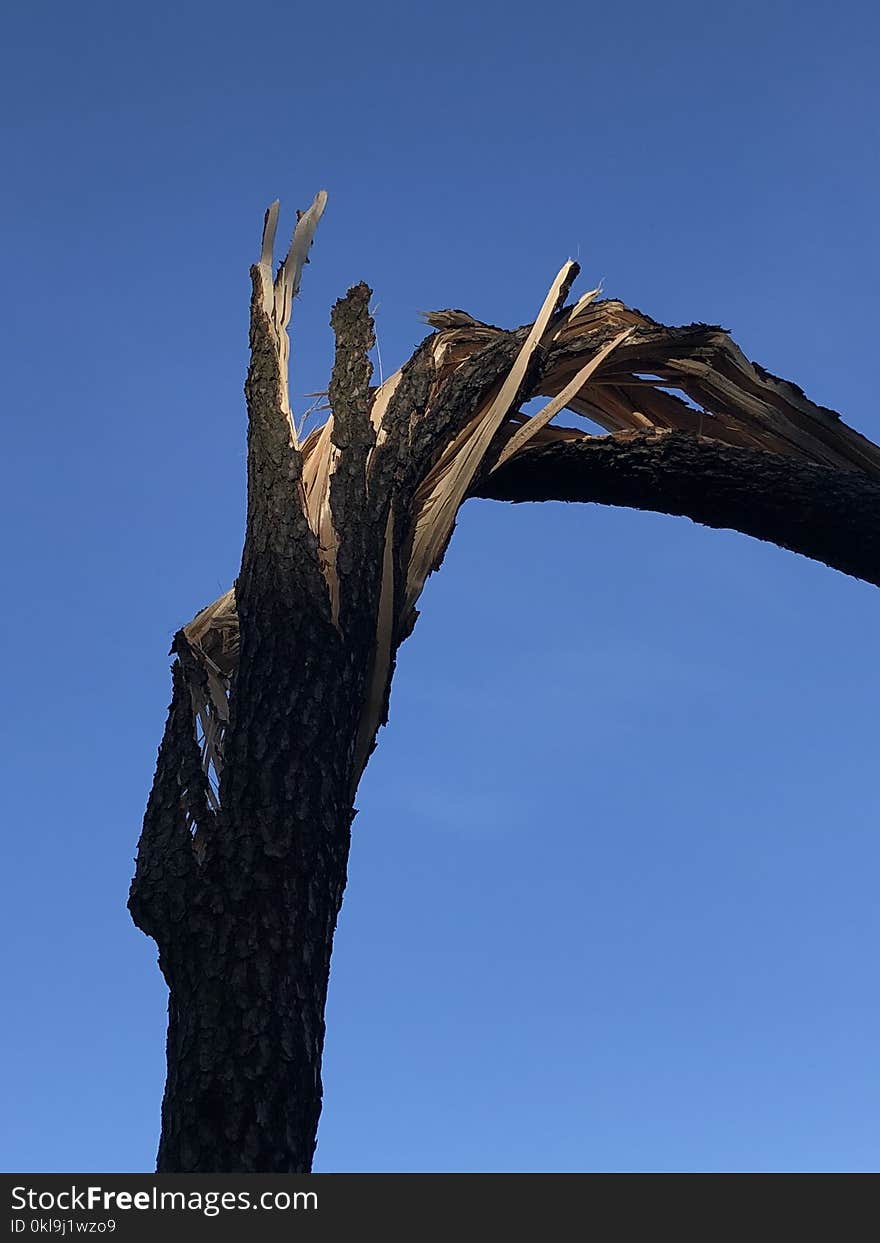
{"points": [[533, 425], [279, 292]]}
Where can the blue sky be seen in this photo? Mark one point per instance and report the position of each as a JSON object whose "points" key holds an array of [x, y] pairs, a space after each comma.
{"points": [[612, 896]]}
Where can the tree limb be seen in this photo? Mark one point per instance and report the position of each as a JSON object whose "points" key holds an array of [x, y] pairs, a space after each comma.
{"points": [[358, 553], [280, 555], [823, 512]]}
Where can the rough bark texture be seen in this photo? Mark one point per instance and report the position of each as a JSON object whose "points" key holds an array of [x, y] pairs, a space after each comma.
{"points": [[822, 512], [280, 686]]}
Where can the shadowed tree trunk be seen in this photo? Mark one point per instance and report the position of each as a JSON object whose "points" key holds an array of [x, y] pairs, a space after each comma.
{"points": [[280, 686]]}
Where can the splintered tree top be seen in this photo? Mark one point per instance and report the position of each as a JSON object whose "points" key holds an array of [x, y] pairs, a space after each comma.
{"points": [[449, 424]]}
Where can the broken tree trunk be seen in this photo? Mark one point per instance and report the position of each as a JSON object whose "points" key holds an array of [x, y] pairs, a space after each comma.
{"points": [[280, 686]]}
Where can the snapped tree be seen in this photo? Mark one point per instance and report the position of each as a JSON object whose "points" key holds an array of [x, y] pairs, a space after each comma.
{"points": [[280, 685]]}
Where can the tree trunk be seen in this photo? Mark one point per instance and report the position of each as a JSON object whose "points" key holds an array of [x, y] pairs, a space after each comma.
{"points": [[280, 686], [247, 968]]}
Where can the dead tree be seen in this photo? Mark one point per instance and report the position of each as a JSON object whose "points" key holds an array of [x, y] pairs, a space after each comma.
{"points": [[280, 686]]}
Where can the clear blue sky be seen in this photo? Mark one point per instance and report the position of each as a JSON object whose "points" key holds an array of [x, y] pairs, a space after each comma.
{"points": [[613, 889]]}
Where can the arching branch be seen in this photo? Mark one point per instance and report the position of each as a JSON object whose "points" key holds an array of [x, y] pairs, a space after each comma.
{"points": [[823, 512]]}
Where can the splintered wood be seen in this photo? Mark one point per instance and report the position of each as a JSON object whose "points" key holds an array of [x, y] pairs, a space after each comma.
{"points": [[599, 359], [279, 293]]}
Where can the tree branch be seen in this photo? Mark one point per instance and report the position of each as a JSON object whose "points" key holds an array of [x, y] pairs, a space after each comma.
{"points": [[823, 512], [353, 435], [280, 556]]}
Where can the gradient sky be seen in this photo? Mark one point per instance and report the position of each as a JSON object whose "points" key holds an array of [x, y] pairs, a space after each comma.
{"points": [[612, 898]]}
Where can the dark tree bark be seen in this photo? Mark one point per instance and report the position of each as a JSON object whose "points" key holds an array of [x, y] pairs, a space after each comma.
{"points": [[280, 686], [823, 512]]}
